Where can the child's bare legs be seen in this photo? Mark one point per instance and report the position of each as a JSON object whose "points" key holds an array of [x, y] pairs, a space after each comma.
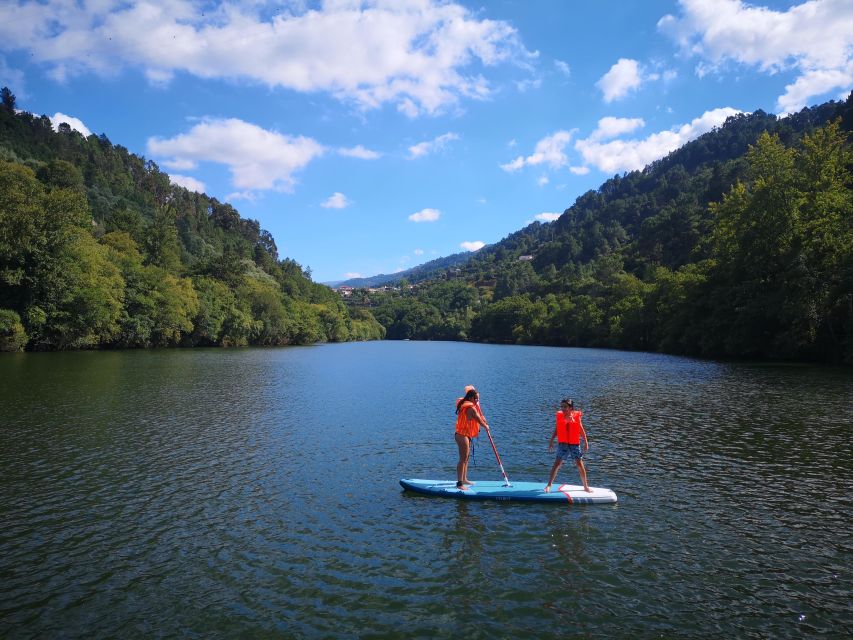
{"points": [[582, 471], [557, 464]]}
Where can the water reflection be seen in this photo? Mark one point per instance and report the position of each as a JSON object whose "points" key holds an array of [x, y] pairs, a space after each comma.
{"points": [[254, 492]]}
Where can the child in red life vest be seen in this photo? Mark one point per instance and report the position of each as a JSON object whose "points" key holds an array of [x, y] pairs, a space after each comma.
{"points": [[568, 431]]}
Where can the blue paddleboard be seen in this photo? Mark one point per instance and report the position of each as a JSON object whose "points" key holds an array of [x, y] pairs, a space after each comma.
{"points": [[517, 491]]}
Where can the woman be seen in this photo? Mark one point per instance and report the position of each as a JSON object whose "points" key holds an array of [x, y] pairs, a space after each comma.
{"points": [[469, 419]]}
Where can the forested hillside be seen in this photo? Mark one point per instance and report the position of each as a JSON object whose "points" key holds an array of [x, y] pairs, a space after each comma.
{"points": [[424, 271], [739, 244], [99, 249]]}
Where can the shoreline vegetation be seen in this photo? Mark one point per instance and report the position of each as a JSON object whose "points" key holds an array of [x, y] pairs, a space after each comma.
{"points": [[739, 245]]}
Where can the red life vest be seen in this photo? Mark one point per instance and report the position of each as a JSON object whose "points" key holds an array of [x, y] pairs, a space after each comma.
{"points": [[464, 426], [569, 427]]}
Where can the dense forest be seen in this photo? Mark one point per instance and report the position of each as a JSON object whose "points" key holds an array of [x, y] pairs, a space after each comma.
{"points": [[98, 249], [737, 245]]}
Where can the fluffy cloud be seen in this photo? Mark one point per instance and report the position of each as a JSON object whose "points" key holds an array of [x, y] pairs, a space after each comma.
{"points": [[421, 55], [430, 146], [628, 155], [815, 39], [359, 152], [419, 252], [547, 217], [352, 274], [563, 68], [336, 201], [475, 245], [188, 182], [623, 77], [425, 215], [610, 127], [549, 151], [71, 121], [257, 158]]}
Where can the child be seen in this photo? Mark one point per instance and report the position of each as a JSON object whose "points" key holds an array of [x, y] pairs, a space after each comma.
{"points": [[568, 431]]}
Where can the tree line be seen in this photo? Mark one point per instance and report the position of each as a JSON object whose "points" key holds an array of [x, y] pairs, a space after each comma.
{"points": [[98, 249], [738, 245]]}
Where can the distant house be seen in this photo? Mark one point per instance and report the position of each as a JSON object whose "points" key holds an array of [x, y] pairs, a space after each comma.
{"points": [[345, 291], [525, 258]]}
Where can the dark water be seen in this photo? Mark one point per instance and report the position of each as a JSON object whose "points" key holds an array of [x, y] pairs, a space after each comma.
{"points": [[253, 493]]}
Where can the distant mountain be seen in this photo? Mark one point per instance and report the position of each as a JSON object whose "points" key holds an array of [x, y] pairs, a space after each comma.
{"points": [[426, 271]]}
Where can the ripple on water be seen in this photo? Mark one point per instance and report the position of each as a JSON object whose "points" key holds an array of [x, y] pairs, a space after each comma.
{"points": [[234, 493]]}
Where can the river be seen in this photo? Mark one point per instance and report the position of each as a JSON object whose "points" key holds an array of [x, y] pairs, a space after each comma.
{"points": [[254, 493]]}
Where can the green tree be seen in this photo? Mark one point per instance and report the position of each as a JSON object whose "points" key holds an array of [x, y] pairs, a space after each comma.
{"points": [[13, 337]]}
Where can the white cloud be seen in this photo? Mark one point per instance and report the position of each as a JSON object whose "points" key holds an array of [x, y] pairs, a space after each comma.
{"points": [[419, 252], [181, 164], [352, 274], [526, 85], [423, 56], [336, 201], [628, 155], [815, 82], [425, 215], [241, 195], [438, 144], [547, 217], [71, 121], [475, 245], [188, 182], [359, 152], [623, 77], [579, 171], [814, 39], [610, 127], [257, 158], [563, 68], [542, 181], [548, 151]]}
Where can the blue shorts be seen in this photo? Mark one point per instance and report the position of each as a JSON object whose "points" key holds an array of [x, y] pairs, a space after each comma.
{"points": [[566, 451]]}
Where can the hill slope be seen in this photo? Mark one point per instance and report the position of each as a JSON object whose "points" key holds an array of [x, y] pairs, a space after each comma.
{"points": [[739, 244], [422, 272], [99, 249]]}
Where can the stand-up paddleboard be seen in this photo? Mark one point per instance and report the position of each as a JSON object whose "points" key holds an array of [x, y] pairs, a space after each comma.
{"points": [[517, 491]]}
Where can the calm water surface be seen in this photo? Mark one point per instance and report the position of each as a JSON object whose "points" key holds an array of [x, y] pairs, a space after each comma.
{"points": [[254, 493]]}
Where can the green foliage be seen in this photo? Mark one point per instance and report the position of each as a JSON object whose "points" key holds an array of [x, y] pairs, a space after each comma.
{"points": [[739, 244], [98, 248], [365, 326], [13, 337]]}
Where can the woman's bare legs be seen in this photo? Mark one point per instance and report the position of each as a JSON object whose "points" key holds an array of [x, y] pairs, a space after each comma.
{"points": [[464, 444]]}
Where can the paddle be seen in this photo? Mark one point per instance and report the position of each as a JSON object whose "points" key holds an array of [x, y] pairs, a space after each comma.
{"points": [[500, 464]]}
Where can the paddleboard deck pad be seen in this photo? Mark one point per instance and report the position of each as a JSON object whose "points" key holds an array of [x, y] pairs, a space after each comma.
{"points": [[516, 492]]}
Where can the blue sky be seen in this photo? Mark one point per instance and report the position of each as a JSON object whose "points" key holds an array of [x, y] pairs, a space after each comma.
{"points": [[371, 136]]}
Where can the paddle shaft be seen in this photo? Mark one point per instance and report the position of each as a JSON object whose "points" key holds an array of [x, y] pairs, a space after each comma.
{"points": [[495, 449]]}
